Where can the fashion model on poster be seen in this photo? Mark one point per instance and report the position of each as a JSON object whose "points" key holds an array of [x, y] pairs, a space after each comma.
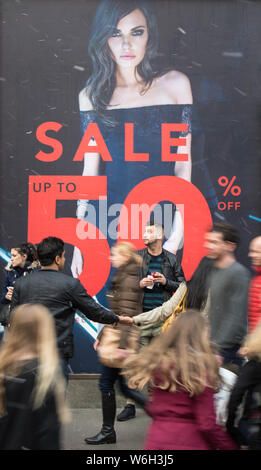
{"points": [[32, 388], [24, 260], [247, 392], [124, 298], [183, 372], [124, 87]]}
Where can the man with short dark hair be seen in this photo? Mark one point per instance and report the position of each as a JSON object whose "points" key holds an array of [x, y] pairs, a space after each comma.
{"points": [[161, 275], [229, 284], [61, 294]]}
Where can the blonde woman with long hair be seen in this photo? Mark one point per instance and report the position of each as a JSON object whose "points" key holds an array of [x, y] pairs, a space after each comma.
{"points": [[247, 390], [125, 299], [182, 370], [32, 388]]}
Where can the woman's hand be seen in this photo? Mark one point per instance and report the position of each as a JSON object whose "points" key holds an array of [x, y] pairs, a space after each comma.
{"points": [[9, 293], [126, 320], [77, 263]]}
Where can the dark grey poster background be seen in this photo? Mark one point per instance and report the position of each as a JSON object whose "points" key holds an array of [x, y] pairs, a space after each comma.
{"points": [[44, 64]]}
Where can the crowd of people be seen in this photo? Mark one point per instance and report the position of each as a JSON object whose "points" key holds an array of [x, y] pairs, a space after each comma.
{"points": [[169, 338]]}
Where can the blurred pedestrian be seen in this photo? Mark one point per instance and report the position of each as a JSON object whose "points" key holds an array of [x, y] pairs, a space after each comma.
{"points": [[24, 260], [124, 299], [32, 388], [254, 301], [183, 372], [229, 282], [247, 392], [160, 276], [61, 294]]}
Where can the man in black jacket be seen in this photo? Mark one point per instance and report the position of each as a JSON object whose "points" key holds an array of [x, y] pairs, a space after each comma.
{"points": [[160, 276], [61, 294], [167, 271]]}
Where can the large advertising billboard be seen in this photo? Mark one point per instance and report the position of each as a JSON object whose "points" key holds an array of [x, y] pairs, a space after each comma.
{"points": [[114, 113]]}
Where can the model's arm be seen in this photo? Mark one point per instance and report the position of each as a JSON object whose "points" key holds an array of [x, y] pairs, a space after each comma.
{"points": [[163, 312], [181, 94], [90, 168], [184, 96]]}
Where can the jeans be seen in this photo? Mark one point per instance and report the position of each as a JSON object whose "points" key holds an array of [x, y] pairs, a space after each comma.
{"points": [[107, 380]]}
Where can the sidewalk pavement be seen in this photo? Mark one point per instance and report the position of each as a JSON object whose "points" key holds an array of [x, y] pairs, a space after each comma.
{"points": [[87, 422]]}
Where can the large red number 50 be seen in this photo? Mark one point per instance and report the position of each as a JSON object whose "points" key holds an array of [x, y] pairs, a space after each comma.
{"points": [[196, 214], [44, 191]]}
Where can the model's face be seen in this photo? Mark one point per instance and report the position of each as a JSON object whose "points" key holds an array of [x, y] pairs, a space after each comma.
{"points": [[215, 245], [129, 41], [18, 259], [117, 259], [255, 252]]}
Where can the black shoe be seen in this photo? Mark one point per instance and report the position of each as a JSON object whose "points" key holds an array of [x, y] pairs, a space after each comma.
{"points": [[107, 435], [128, 412]]}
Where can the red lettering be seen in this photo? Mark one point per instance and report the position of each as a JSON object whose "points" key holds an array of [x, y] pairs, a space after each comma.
{"points": [[196, 219], [130, 156], [100, 147], [167, 142], [44, 139], [42, 222]]}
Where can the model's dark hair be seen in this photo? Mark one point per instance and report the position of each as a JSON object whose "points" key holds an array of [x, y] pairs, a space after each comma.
{"points": [[48, 249], [102, 82], [27, 249], [228, 231], [198, 285]]}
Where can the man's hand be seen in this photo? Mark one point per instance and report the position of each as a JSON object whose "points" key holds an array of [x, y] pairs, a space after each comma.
{"points": [[146, 281], [96, 344], [158, 277], [126, 320]]}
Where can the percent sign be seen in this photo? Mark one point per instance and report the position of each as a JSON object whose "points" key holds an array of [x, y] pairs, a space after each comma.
{"points": [[224, 181]]}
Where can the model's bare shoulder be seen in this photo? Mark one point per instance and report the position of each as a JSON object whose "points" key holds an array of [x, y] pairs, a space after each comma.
{"points": [[177, 85], [84, 100]]}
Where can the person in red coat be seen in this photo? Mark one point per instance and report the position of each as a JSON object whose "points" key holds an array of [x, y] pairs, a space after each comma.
{"points": [[183, 372], [254, 303]]}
